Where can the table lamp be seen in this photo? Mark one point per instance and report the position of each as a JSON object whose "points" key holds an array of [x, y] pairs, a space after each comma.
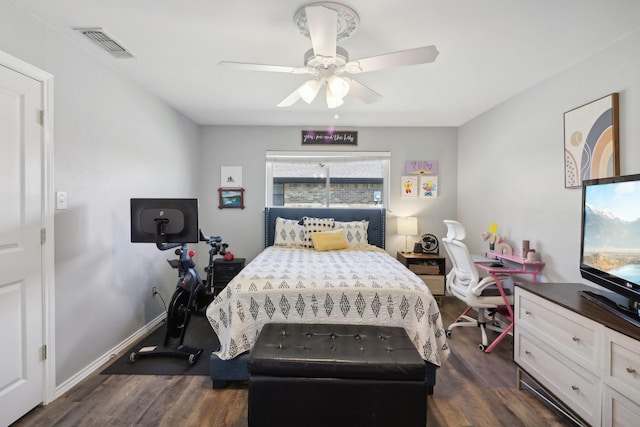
{"points": [[407, 226]]}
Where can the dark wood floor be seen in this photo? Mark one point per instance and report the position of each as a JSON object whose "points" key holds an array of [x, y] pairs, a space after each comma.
{"points": [[473, 389]]}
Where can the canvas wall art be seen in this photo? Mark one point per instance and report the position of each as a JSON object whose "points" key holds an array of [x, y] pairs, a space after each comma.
{"points": [[591, 141]]}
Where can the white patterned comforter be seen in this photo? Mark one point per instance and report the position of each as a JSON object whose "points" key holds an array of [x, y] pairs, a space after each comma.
{"points": [[305, 286]]}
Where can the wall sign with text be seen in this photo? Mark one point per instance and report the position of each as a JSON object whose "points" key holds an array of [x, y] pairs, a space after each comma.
{"points": [[421, 167], [330, 137]]}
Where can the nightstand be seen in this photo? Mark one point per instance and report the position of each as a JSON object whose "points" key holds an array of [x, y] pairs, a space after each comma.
{"points": [[431, 268], [224, 271]]}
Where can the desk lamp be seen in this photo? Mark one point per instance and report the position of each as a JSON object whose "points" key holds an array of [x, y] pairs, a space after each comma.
{"points": [[407, 226]]}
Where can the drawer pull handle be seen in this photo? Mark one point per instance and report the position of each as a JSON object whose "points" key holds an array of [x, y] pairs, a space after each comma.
{"points": [[527, 312], [575, 339], [631, 370], [527, 352], [575, 387]]}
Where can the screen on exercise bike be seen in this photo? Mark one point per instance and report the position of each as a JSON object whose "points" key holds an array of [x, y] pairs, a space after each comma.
{"points": [[176, 219]]}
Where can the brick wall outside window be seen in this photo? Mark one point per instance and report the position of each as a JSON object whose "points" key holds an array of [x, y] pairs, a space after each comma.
{"points": [[342, 194]]}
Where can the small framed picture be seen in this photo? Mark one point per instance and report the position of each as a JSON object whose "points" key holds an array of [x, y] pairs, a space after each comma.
{"points": [[428, 186], [409, 186], [231, 198], [231, 176]]}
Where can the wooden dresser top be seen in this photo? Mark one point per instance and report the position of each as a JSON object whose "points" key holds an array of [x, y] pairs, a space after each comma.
{"points": [[567, 296]]}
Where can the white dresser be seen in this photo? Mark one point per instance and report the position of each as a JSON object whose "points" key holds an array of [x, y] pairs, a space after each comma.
{"points": [[586, 357]]}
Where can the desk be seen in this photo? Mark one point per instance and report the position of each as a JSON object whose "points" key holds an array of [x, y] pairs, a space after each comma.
{"points": [[518, 264], [512, 265]]}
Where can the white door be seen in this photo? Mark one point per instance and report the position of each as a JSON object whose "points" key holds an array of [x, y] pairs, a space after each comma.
{"points": [[22, 379]]}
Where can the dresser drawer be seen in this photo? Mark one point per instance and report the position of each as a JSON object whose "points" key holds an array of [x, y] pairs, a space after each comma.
{"points": [[434, 283], [573, 385], [574, 336], [227, 269], [617, 410], [622, 364]]}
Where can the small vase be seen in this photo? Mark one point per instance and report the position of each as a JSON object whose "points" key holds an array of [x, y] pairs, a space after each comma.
{"points": [[492, 246]]}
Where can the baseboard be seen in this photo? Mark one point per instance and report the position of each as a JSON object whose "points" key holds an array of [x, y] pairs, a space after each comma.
{"points": [[109, 355]]}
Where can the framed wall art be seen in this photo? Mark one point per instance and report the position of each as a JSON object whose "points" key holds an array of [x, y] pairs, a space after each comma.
{"points": [[591, 141], [409, 186], [230, 198], [231, 176], [428, 186]]}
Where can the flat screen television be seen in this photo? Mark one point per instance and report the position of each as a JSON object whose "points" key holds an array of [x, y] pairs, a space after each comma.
{"points": [[610, 242], [163, 221]]}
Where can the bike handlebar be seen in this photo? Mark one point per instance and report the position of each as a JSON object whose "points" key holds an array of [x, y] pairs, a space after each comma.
{"points": [[210, 239]]}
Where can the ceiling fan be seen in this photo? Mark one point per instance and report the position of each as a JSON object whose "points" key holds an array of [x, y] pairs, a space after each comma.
{"points": [[327, 23]]}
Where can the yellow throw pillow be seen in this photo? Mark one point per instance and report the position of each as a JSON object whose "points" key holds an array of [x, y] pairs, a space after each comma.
{"points": [[329, 240]]}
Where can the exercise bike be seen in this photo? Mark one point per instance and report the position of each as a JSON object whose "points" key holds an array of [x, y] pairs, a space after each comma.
{"points": [[217, 248], [191, 295]]}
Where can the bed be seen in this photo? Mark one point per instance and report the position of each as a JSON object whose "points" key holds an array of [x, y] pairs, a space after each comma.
{"points": [[359, 284]]}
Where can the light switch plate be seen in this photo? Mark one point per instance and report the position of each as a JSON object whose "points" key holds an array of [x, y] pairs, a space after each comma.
{"points": [[61, 200]]}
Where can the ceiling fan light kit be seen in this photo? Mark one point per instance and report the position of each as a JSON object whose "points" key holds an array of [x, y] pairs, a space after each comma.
{"points": [[308, 90], [338, 86], [327, 23], [333, 101]]}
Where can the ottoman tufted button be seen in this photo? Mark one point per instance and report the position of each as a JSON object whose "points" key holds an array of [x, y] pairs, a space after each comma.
{"points": [[333, 336], [358, 337], [309, 334], [382, 337]]}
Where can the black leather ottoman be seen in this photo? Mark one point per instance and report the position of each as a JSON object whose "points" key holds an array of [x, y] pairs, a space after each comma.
{"points": [[335, 375]]}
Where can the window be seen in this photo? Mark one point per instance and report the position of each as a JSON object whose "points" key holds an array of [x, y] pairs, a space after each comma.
{"points": [[336, 179]]}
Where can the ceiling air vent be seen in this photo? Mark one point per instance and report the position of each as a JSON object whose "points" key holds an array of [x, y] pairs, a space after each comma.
{"points": [[105, 41]]}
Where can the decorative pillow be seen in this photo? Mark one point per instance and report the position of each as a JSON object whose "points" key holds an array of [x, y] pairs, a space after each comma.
{"points": [[315, 225], [288, 233], [356, 232], [329, 240]]}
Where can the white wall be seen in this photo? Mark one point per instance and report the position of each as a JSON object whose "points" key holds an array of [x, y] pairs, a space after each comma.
{"points": [[511, 162], [246, 147], [112, 141]]}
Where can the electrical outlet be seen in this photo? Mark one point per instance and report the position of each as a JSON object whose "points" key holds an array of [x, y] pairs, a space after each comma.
{"points": [[154, 291]]}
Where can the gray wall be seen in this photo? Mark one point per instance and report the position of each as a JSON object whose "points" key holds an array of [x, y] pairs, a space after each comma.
{"points": [[112, 141], [246, 147], [511, 164]]}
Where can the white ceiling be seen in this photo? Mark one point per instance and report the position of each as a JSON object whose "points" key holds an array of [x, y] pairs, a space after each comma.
{"points": [[490, 50]]}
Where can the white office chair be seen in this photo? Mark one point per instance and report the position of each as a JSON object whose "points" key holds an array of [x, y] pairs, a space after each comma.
{"points": [[463, 281]]}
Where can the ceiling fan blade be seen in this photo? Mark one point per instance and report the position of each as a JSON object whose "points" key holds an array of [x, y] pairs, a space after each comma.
{"points": [[323, 30], [419, 55], [262, 67], [361, 92], [290, 100]]}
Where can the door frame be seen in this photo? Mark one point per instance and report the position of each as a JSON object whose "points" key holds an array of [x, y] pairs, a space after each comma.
{"points": [[47, 218]]}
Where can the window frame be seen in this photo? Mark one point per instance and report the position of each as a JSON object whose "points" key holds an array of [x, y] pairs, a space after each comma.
{"points": [[327, 157]]}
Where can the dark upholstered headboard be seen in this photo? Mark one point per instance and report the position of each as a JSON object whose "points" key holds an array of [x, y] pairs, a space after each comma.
{"points": [[376, 218]]}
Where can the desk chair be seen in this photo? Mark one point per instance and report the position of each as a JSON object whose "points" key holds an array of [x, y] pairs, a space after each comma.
{"points": [[463, 281]]}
